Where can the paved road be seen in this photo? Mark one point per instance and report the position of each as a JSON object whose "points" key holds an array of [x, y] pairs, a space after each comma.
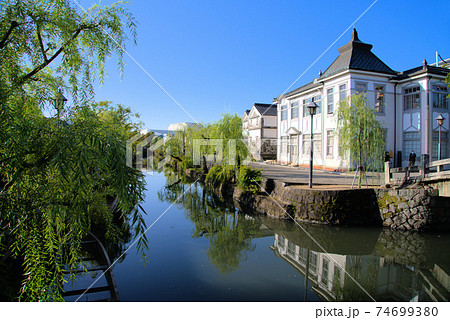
{"points": [[300, 175]]}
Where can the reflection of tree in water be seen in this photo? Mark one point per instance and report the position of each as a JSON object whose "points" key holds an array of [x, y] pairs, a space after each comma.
{"points": [[228, 232]]}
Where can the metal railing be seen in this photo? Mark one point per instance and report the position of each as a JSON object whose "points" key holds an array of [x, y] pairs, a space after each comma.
{"points": [[426, 170]]}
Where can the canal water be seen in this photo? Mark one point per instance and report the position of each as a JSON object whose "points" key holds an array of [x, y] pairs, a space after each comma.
{"points": [[201, 249]]}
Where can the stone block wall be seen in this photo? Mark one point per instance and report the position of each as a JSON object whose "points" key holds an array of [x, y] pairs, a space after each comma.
{"points": [[413, 209], [336, 207]]}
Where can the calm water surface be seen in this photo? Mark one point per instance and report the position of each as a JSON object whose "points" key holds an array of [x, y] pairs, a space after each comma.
{"points": [[204, 250]]}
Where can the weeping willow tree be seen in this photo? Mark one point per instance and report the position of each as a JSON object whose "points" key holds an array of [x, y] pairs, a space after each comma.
{"points": [[59, 165], [361, 137], [221, 141]]}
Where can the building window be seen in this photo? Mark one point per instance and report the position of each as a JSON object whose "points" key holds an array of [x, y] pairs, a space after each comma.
{"points": [[337, 273], [302, 254], [379, 98], [330, 101], [305, 109], [440, 100], [444, 145], [411, 98], [306, 143], [281, 242], [294, 145], [411, 141], [294, 110], [342, 92], [317, 141], [291, 249], [325, 264], [318, 101], [330, 143], [361, 87], [284, 145], [283, 112], [313, 261], [337, 276]]}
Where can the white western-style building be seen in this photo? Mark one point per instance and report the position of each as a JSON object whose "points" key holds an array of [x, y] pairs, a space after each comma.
{"points": [[259, 125], [406, 103]]}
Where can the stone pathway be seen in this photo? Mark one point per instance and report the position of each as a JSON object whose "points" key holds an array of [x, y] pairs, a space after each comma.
{"points": [[300, 175]]}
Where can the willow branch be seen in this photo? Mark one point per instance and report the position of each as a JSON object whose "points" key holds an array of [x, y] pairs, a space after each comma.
{"points": [[53, 57], [14, 25], [41, 44]]}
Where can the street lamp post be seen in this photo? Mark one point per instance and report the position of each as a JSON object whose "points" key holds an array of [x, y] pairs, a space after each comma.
{"points": [[312, 106], [59, 100], [440, 121]]}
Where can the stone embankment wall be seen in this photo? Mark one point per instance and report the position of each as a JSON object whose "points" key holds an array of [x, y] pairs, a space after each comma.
{"points": [[337, 207], [411, 209], [415, 209]]}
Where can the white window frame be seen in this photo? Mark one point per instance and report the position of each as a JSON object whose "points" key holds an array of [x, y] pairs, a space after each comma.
{"points": [[380, 101], [360, 83], [283, 115], [411, 98], [330, 100], [435, 144], [294, 105], [305, 109], [440, 91], [318, 100], [343, 94], [330, 138], [411, 143]]}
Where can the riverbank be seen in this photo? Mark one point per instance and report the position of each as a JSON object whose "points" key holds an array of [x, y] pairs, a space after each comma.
{"points": [[412, 209]]}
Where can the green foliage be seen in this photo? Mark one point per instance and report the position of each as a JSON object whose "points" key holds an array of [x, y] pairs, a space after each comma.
{"points": [[360, 134], [57, 173], [44, 43], [249, 179], [220, 174], [195, 141]]}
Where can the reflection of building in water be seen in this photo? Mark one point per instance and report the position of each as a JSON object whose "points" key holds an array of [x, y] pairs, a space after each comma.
{"points": [[384, 281]]}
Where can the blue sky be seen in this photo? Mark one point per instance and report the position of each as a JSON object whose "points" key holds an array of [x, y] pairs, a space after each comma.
{"points": [[222, 56]]}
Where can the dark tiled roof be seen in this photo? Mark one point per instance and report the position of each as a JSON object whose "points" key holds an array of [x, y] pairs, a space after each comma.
{"points": [[266, 109], [356, 55], [247, 112], [306, 87], [419, 70]]}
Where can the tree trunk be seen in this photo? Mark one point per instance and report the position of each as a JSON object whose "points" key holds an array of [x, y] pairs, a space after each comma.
{"points": [[205, 167]]}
